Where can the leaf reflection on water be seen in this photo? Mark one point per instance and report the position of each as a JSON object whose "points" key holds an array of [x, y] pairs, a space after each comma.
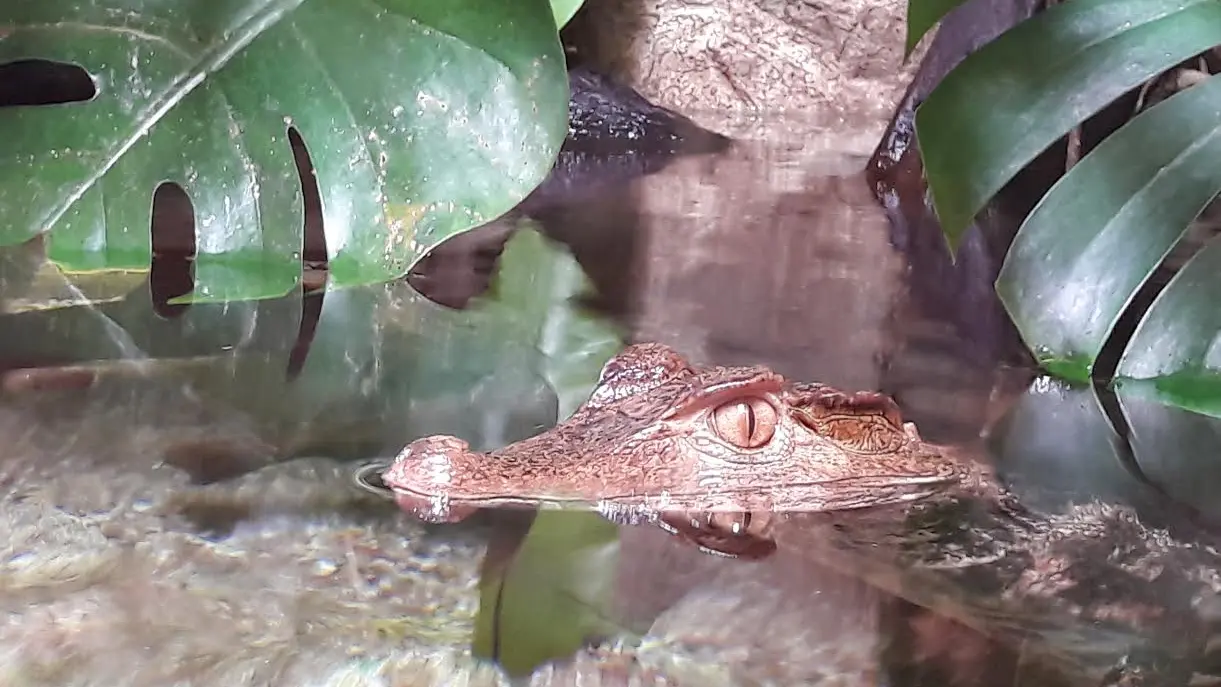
{"points": [[385, 366]]}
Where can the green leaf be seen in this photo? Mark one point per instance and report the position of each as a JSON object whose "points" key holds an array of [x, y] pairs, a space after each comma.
{"points": [[1093, 240], [1176, 450], [922, 16], [543, 296], [1014, 97], [1055, 445], [1175, 352], [422, 119], [554, 595], [1193, 390], [489, 374], [564, 10]]}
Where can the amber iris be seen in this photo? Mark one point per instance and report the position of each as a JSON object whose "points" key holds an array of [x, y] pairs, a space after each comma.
{"points": [[746, 423]]}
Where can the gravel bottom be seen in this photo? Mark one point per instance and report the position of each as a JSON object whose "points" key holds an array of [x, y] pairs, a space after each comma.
{"points": [[118, 571]]}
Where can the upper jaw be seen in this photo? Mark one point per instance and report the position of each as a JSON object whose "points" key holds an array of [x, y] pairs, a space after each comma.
{"points": [[431, 508]]}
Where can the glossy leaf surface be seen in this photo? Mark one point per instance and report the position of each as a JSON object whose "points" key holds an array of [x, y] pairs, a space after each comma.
{"points": [[422, 119], [1095, 238], [1014, 97], [378, 351], [1176, 450], [1058, 446], [1175, 353]]}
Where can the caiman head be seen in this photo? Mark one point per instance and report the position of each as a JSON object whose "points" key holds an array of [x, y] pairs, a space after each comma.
{"points": [[661, 436]]}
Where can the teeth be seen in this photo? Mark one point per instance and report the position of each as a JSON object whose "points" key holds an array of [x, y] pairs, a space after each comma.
{"points": [[439, 506]]}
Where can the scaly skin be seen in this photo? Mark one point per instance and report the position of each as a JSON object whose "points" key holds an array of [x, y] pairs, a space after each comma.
{"points": [[723, 455], [707, 451]]}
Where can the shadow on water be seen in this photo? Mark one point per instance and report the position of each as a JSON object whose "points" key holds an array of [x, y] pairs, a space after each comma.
{"points": [[178, 495]]}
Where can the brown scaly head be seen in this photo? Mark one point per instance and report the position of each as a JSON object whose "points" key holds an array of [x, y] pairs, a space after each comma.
{"points": [[706, 451]]}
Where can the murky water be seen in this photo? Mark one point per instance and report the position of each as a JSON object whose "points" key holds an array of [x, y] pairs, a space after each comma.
{"points": [[180, 509]]}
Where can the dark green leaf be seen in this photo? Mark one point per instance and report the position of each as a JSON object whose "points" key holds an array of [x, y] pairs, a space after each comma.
{"points": [[1085, 250], [1176, 350], [1017, 95], [1177, 450], [1055, 445], [490, 373], [922, 16], [422, 119]]}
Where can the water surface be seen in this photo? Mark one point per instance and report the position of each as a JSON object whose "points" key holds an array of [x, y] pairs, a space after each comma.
{"points": [[179, 500]]}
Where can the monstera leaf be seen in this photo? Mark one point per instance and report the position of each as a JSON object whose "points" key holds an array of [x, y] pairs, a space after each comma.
{"points": [[1060, 444], [1098, 235], [421, 119], [492, 373]]}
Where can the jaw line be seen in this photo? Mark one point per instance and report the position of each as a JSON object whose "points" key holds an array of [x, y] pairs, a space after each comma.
{"points": [[496, 501], [892, 491], [888, 492]]}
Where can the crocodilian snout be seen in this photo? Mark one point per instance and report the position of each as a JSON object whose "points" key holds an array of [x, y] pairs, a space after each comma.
{"points": [[423, 476]]}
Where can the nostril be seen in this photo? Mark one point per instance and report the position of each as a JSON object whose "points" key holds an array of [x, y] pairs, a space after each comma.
{"points": [[439, 444], [425, 463], [447, 444]]}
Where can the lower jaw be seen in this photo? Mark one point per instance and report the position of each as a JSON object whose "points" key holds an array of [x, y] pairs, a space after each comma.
{"points": [[432, 510]]}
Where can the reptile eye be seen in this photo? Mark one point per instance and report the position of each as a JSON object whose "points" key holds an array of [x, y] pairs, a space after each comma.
{"points": [[748, 423]]}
